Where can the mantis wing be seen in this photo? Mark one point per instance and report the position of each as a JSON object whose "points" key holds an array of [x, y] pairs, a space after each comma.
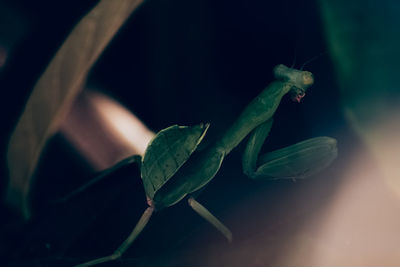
{"points": [[167, 152]]}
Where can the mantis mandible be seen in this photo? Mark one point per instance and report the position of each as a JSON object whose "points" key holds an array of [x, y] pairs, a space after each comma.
{"points": [[172, 168]]}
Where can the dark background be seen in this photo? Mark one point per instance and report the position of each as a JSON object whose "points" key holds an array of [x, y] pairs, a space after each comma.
{"points": [[173, 62]]}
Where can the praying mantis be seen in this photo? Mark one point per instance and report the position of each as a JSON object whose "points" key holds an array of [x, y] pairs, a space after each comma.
{"points": [[173, 167]]}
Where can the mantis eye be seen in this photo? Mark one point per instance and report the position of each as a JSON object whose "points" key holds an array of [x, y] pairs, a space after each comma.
{"points": [[308, 78]]}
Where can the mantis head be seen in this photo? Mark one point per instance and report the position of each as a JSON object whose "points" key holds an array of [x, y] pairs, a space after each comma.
{"points": [[298, 79]]}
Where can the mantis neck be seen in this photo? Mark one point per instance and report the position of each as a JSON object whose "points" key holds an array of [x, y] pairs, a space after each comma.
{"points": [[259, 110]]}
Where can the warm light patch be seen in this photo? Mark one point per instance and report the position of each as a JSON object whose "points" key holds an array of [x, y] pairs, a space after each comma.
{"points": [[122, 122], [381, 135], [104, 131]]}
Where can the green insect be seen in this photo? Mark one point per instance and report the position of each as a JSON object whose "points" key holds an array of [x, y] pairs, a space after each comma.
{"points": [[173, 168]]}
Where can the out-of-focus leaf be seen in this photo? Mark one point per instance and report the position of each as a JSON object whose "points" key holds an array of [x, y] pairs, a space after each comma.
{"points": [[55, 92], [364, 41]]}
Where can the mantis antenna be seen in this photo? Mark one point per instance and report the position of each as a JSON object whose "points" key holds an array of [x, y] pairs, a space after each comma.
{"points": [[295, 57], [313, 58]]}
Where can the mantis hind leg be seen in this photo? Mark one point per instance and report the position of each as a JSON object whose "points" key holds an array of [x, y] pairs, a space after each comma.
{"points": [[104, 174], [126, 244], [296, 161], [208, 216]]}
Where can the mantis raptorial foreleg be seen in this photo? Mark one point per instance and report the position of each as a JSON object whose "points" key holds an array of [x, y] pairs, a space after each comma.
{"points": [[250, 154], [296, 161]]}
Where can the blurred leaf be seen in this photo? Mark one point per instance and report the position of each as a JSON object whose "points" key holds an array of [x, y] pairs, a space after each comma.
{"points": [[364, 41], [55, 92]]}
